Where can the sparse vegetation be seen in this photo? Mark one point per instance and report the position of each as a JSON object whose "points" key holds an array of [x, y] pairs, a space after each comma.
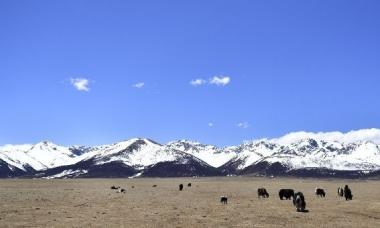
{"points": [[91, 202]]}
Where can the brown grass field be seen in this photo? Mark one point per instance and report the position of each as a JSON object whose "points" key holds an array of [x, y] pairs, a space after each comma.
{"points": [[91, 203]]}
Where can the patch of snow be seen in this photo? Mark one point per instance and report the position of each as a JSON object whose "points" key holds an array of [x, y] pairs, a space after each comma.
{"points": [[69, 172], [136, 175]]}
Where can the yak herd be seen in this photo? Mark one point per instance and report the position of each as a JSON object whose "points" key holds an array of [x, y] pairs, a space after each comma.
{"points": [[298, 197], [287, 194]]}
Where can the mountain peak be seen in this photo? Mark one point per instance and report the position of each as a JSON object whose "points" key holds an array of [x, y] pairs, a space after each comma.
{"points": [[44, 145], [136, 140]]}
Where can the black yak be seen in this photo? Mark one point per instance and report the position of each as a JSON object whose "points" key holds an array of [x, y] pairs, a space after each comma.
{"points": [[347, 193], [180, 187], [299, 201], [262, 192], [286, 193], [189, 185], [320, 192], [223, 199]]}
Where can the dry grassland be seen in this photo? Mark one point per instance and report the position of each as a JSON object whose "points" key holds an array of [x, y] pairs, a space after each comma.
{"points": [[91, 203]]}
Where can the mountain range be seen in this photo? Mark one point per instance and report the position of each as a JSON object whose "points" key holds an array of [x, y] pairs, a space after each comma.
{"points": [[141, 157]]}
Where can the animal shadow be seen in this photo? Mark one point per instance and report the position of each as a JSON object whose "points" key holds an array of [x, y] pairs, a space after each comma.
{"points": [[304, 211]]}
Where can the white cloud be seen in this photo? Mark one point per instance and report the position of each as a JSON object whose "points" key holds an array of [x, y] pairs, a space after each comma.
{"points": [[210, 124], [349, 137], [216, 80], [139, 85], [198, 82], [243, 125], [81, 84], [220, 80]]}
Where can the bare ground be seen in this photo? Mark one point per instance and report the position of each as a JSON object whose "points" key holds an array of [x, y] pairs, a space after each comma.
{"points": [[91, 203]]}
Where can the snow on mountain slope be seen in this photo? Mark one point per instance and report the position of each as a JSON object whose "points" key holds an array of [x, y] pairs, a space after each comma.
{"points": [[135, 152], [138, 153], [51, 155], [40, 156], [15, 155], [67, 173], [251, 152], [106, 150], [310, 153], [210, 154]]}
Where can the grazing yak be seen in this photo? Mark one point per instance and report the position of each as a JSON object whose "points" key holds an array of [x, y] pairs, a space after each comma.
{"points": [[223, 199], [299, 201], [114, 187], [262, 192], [286, 193], [320, 192], [347, 193], [121, 190], [189, 185], [180, 187], [340, 192], [154, 186]]}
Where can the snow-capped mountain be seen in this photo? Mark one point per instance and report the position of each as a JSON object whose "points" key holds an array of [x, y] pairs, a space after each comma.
{"points": [[137, 153], [304, 154], [251, 152], [311, 153], [144, 157], [212, 155], [43, 155], [133, 157]]}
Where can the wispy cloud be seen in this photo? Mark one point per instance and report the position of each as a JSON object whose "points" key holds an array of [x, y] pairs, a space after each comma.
{"points": [[81, 84], [210, 124], [198, 82], [220, 80], [372, 134], [216, 80], [243, 125], [139, 85]]}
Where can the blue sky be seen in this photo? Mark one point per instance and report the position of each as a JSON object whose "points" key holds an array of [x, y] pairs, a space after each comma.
{"points": [[94, 72]]}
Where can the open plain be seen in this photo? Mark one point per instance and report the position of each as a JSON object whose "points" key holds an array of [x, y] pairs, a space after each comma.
{"points": [[91, 203]]}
